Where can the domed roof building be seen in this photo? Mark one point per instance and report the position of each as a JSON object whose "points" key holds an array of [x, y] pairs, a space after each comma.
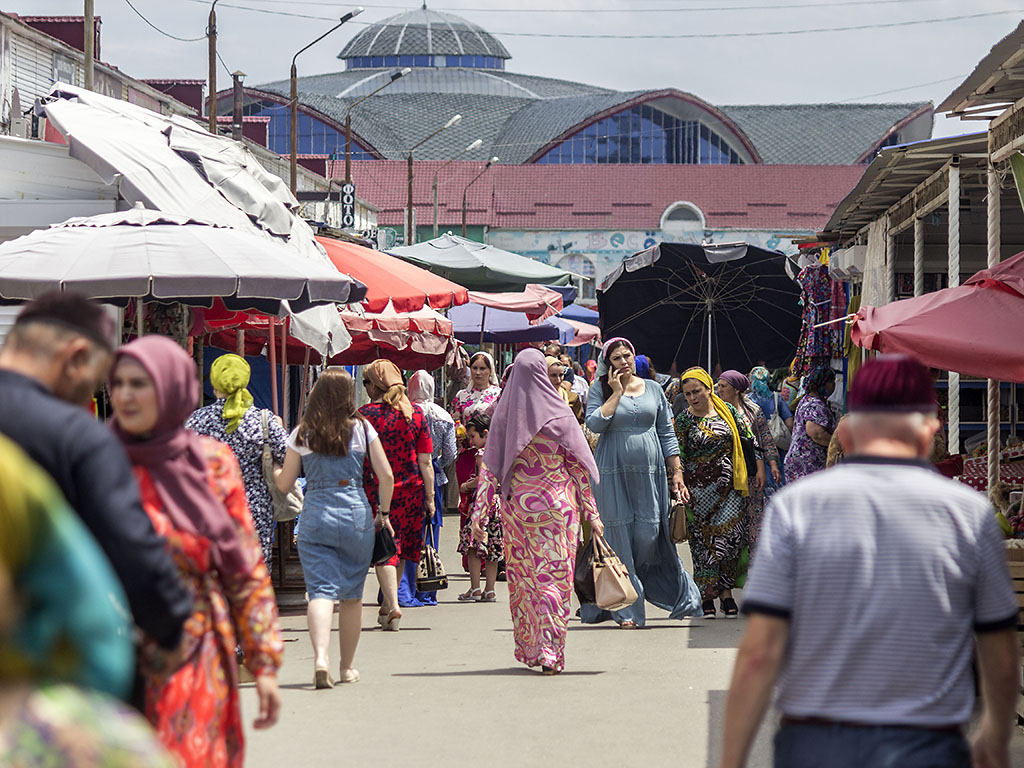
{"points": [[662, 140]]}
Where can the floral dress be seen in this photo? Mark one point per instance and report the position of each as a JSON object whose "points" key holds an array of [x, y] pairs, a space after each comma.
{"points": [[491, 550], [758, 499], [805, 456], [540, 516], [470, 401], [401, 441], [247, 443], [717, 534], [195, 709]]}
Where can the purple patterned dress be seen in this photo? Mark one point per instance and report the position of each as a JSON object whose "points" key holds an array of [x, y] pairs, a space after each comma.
{"points": [[540, 517], [805, 456]]}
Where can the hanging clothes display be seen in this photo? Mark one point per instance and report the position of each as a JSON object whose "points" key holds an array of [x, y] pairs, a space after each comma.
{"points": [[817, 345]]}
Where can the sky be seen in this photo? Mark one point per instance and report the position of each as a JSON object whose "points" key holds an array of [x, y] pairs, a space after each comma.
{"points": [[705, 46]]}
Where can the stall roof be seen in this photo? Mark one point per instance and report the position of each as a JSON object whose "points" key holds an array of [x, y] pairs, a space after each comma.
{"points": [[895, 172], [996, 82]]}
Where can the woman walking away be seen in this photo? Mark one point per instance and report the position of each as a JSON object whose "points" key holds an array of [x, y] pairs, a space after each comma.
{"points": [[537, 471], [234, 421], [813, 425], [337, 531], [479, 555], [193, 492], [709, 432], [732, 388], [446, 450], [635, 444], [403, 432]]}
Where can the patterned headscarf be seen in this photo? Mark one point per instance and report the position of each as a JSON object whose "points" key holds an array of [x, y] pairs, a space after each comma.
{"points": [[602, 364], [739, 464], [229, 375], [818, 378], [760, 381], [385, 376]]}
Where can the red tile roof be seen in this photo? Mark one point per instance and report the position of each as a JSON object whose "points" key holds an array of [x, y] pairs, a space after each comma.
{"points": [[783, 197]]}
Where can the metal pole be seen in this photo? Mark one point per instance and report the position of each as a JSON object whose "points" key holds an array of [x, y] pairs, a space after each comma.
{"points": [[305, 385], [240, 342], [90, 44], [293, 138], [140, 315], [890, 266], [954, 280], [435, 203], [284, 372], [236, 104], [994, 254], [272, 359], [918, 257], [709, 343], [211, 37], [409, 236], [464, 211], [483, 319], [348, 147]]}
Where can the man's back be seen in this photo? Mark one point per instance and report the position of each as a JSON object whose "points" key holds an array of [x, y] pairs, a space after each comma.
{"points": [[94, 475], [885, 570]]}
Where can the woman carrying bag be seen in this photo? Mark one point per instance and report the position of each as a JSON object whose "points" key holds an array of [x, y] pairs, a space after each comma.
{"points": [[537, 470]]}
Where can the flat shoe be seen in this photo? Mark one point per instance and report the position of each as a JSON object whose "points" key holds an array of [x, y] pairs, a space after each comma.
{"points": [[349, 676], [471, 596], [322, 679], [549, 671], [392, 622], [628, 625]]}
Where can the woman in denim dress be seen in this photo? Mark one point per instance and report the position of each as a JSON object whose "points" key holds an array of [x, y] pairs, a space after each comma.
{"points": [[336, 536]]}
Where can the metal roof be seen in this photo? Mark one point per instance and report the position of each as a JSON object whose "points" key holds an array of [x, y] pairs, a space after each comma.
{"points": [[894, 174], [424, 32], [826, 134], [996, 82]]}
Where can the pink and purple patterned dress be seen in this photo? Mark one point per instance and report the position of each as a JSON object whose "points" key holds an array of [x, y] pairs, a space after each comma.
{"points": [[540, 517]]}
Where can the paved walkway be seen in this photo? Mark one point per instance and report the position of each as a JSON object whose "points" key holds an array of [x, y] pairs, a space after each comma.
{"points": [[447, 691]]}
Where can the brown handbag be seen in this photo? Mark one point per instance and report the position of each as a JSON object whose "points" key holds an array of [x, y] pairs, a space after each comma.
{"points": [[612, 586], [677, 524]]}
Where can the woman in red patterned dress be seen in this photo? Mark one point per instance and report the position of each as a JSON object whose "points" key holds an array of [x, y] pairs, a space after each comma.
{"points": [[192, 490], [403, 431]]}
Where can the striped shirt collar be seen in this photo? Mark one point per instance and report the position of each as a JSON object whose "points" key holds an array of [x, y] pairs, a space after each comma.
{"points": [[889, 460]]}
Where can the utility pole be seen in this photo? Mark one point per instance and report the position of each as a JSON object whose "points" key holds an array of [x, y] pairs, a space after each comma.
{"points": [[236, 92], [90, 44], [211, 36]]}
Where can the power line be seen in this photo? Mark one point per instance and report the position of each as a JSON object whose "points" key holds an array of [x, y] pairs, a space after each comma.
{"points": [[905, 88], [680, 36], [165, 34], [589, 11]]}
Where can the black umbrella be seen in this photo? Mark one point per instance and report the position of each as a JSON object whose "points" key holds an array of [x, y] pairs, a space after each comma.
{"points": [[673, 298]]}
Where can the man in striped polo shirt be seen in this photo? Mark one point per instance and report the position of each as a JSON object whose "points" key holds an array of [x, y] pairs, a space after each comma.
{"points": [[874, 582]]}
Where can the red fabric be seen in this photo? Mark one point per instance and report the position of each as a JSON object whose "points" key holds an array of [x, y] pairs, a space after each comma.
{"points": [[387, 278], [973, 329], [539, 303]]}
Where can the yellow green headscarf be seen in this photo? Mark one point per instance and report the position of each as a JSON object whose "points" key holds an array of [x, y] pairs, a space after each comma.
{"points": [[739, 464], [229, 375]]}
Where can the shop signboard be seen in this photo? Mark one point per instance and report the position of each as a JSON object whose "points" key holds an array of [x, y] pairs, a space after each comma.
{"points": [[348, 205]]}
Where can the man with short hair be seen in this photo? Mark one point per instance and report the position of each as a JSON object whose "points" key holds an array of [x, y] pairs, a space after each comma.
{"points": [[874, 582], [53, 360]]}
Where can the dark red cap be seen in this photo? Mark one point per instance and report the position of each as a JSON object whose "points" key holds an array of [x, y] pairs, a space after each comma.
{"points": [[896, 383]]}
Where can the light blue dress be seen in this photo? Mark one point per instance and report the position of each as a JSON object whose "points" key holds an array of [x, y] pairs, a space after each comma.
{"points": [[633, 500], [335, 540]]}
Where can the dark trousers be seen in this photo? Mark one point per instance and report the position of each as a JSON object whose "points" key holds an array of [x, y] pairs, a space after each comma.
{"points": [[844, 746]]}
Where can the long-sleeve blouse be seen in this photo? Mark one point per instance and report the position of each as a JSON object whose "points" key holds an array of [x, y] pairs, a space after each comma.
{"points": [[446, 447], [767, 450]]}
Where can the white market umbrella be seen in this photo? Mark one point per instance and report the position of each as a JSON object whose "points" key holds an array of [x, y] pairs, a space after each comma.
{"points": [[154, 256]]}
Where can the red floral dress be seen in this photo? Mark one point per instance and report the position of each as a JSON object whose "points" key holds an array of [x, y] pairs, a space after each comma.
{"points": [[195, 710], [401, 441]]}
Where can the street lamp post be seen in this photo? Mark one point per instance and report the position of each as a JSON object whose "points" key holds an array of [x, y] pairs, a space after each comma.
{"points": [[294, 102], [348, 119], [490, 162], [409, 235], [475, 145]]}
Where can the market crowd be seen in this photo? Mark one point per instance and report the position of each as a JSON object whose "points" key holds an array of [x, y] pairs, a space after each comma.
{"points": [[135, 555]]}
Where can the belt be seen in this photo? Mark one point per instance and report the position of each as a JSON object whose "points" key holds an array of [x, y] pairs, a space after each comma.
{"points": [[825, 722], [339, 484]]}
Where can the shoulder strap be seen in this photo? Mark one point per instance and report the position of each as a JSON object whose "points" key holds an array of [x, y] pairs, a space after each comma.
{"points": [[265, 423]]}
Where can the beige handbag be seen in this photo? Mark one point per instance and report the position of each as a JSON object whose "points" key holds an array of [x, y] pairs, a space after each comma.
{"points": [[612, 586], [677, 529]]}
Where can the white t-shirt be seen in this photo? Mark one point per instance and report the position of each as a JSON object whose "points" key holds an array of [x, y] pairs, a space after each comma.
{"points": [[361, 430]]}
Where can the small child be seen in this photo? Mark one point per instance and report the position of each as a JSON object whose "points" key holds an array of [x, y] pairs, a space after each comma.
{"points": [[479, 556]]}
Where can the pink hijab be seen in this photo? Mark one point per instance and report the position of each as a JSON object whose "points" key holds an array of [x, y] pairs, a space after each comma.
{"points": [[527, 406], [174, 456]]}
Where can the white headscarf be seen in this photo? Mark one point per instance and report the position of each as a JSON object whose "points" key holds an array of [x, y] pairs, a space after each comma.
{"points": [[421, 392], [490, 362]]}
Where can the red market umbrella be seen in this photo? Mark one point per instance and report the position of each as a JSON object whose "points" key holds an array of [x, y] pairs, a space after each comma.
{"points": [[387, 278], [539, 303], [973, 329]]}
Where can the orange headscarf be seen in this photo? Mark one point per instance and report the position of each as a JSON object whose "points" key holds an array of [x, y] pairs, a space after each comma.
{"points": [[384, 375]]}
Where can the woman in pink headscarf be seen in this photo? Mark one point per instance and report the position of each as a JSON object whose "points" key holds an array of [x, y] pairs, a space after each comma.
{"points": [[538, 470], [192, 490]]}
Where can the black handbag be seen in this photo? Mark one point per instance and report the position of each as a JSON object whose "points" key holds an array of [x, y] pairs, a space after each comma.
{"points": [[384, 547], [749, 456], [583, 574]]}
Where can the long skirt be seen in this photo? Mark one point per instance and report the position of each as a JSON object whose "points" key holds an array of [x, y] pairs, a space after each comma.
{"points": [[717, 540]]}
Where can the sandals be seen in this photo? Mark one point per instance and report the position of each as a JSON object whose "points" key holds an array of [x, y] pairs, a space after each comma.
{"points": [[322, 679], [729, 608], [489, 597], [628, 625], [392, 621], [709, 609], [349, 676], [472, 596]]}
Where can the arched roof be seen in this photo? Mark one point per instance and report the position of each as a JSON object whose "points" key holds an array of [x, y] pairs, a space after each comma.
{"points": [[423, 32]]}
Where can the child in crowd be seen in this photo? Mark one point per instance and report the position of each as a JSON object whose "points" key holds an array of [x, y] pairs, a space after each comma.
{"points": [[480, 557]]}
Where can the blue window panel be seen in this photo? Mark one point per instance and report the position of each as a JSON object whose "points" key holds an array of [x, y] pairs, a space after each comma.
{"points": [[451, 61], [422, 61]]}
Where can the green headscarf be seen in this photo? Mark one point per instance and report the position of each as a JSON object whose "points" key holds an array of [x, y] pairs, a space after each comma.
{"points": [[229, 375]]}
